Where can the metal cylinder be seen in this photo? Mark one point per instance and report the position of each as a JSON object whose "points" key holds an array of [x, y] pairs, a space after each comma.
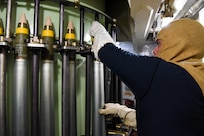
{"points": [[72, 96], [107, 81], [89, 88], [115, 81], [81, 26], [69, 94], [46, 99], [194, 9], [115, 92], [3, 52], [36, 16], [98, 100], [65, 97], [8, 19], [20, 126], [35, 89], [61, 18]]}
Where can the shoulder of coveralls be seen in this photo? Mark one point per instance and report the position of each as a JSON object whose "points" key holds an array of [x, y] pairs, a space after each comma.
{"points": [[129, 67]]}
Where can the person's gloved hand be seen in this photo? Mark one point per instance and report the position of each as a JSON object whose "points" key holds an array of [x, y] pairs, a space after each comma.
{"points": [[128, 115], [101, 37]]}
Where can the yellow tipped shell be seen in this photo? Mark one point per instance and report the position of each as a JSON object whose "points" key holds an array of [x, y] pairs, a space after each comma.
{"points": [[1, 27], [70, 31], [48, 30], [22, 25]]}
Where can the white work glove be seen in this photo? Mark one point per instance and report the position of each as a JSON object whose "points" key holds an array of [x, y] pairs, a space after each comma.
{"points": [[101, 37], [127, 115]]}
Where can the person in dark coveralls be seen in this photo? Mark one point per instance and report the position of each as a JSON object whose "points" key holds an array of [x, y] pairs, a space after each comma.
{"points": [[168, 87]]}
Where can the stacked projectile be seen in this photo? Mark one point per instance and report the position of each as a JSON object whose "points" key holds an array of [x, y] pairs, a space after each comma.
{"points": [[1, 28], [22, 36], [48, 39], [20, 120], [70, 38], [1, 31]]}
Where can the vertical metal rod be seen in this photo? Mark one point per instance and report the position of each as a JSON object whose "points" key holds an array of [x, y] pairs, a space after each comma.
{"points": [[119, 90], [107, 78], [89, 68], [36, 15], [65, 77], [98, 100], [72, 95], [61, 29], [116, 80], [112, 89], [115, 88], [99, 128], [3, 52], [69, 94], [65, 97], [35, 76], [35, 86], [116, 84], [82, 26], [8, 19], [96, 16], [68, 87], [89, 88], [113, 30]]}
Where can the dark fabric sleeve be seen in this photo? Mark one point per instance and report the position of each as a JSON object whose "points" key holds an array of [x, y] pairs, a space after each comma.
{"points": [[135, 71]]}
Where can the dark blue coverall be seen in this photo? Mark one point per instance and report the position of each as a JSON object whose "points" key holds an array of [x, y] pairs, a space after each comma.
{"points": [[169, 101]]}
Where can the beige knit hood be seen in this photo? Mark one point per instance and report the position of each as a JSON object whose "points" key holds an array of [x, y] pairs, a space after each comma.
{"points": [[183, 44]]}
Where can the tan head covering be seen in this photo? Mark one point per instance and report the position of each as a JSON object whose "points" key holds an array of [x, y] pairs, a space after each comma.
{"points": [[183, 44]]}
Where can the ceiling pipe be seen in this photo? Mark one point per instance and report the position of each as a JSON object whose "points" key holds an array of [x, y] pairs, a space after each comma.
{"points": [[195, 8]]}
